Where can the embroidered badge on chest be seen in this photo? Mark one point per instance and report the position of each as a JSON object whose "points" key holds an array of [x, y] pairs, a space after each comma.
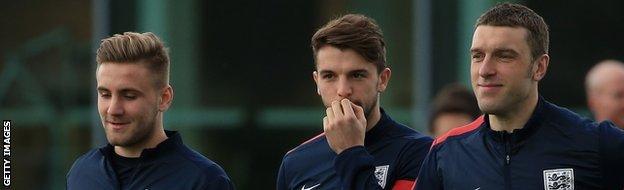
{"points": [[381, 173], [559, 179]]}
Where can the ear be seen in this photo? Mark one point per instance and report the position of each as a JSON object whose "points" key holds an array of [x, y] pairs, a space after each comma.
{"points": [[539, 69], [590, 103], [384, 77], [316, 80], [166, 97]]}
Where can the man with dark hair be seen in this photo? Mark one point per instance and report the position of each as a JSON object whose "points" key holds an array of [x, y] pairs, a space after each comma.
{"points": [[454, 106], [133, 94], [522, 141], [604, 86], [362, 147]]}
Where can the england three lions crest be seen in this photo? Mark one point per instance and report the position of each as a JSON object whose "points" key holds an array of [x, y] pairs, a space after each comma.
{"points": [[559, 179], [381, 173]]}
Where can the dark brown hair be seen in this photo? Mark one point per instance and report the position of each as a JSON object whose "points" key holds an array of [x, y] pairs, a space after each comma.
{"points": [[454, 98], [515, 15], [135, 48], [356, 32]]}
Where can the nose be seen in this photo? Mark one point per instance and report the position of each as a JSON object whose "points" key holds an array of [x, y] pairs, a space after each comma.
{"points": [[488, 67], [344, 88], [115, 107]]}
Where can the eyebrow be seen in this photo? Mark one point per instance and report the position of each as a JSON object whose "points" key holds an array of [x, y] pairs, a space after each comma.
{"points": [[350, 72], [326, 72], [359, 71], [99, 88], [498, 50], [124, 90], [505, 50]]}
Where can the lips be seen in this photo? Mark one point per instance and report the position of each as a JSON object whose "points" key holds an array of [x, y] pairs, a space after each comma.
{"points": [[115, 125], [489, 87]]}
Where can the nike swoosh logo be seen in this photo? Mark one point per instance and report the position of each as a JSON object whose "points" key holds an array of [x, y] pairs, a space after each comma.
{"points": [[309, 188]]}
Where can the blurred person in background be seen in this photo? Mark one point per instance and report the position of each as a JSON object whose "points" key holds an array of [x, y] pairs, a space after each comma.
{"points": [[454, 106], [362, 147], [133, 94], [523, 141], [604, 85]]}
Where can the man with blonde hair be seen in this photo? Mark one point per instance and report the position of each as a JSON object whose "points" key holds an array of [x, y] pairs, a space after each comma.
{"points": [[133, 94], [604, 85]]}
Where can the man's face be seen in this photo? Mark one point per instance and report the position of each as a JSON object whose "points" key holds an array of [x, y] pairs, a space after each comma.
{"points": [[344, 74], [607, 102], [128, 103], [501, 72]]}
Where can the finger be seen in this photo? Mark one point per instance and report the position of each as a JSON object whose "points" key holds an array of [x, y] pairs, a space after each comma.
{"points": [[347, 107], [330, 114], [325, 123], [337, 108], [358, 111]]}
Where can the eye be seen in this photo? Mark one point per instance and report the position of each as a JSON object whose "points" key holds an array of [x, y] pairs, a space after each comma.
{"points": [[327, 76], [105, 95], [130, 96], [477, 57], [506, 56], [359, 75]]}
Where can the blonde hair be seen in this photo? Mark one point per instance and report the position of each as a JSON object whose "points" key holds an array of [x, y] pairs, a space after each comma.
{"points": [[136, 48]]}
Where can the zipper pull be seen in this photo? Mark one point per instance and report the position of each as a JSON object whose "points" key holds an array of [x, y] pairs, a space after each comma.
{"points": [[507, 159]]}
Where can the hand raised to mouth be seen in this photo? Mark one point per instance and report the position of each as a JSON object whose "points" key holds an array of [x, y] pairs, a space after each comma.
{"points": [[344, 125]]}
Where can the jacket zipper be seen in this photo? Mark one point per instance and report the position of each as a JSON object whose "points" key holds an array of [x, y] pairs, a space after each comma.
{"points": [[507, 172]]}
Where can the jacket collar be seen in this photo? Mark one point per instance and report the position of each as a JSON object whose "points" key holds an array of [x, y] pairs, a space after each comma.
{"points": [[519, 135], [173, 141], [378, 131]]}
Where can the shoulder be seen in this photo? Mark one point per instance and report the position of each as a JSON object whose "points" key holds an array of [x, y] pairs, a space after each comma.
{"points": [[572, 125], [86, 170], [87, 161], [611, 137], [315, 141], [404, 132], [408, 138], [458, 133], [199, 163], [564, 117]]}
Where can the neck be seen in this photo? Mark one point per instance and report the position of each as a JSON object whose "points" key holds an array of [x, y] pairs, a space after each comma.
{"points": [[374, 117], [134, 151], [514, 118]]}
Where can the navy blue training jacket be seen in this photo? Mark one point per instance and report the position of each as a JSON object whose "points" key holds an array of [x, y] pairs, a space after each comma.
{"points": [[391, 157], [556, 149], [170, 165]]}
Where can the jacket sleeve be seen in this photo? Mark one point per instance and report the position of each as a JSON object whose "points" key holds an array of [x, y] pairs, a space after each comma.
{"points": [[71, 176], [281, 176], [355, 169], [409, 163], [214, 178], [429, 177], [220, 182], [612, 153]]}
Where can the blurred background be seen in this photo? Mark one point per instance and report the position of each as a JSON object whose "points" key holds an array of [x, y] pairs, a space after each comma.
{"points": [[241, 70]]}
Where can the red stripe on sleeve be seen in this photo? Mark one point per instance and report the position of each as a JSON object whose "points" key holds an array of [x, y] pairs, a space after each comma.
{"points": [[460, 130], [403, 185]]}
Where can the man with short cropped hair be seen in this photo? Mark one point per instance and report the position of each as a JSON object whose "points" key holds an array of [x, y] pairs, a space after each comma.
{"points": [[133, 94], [523, 141]]}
